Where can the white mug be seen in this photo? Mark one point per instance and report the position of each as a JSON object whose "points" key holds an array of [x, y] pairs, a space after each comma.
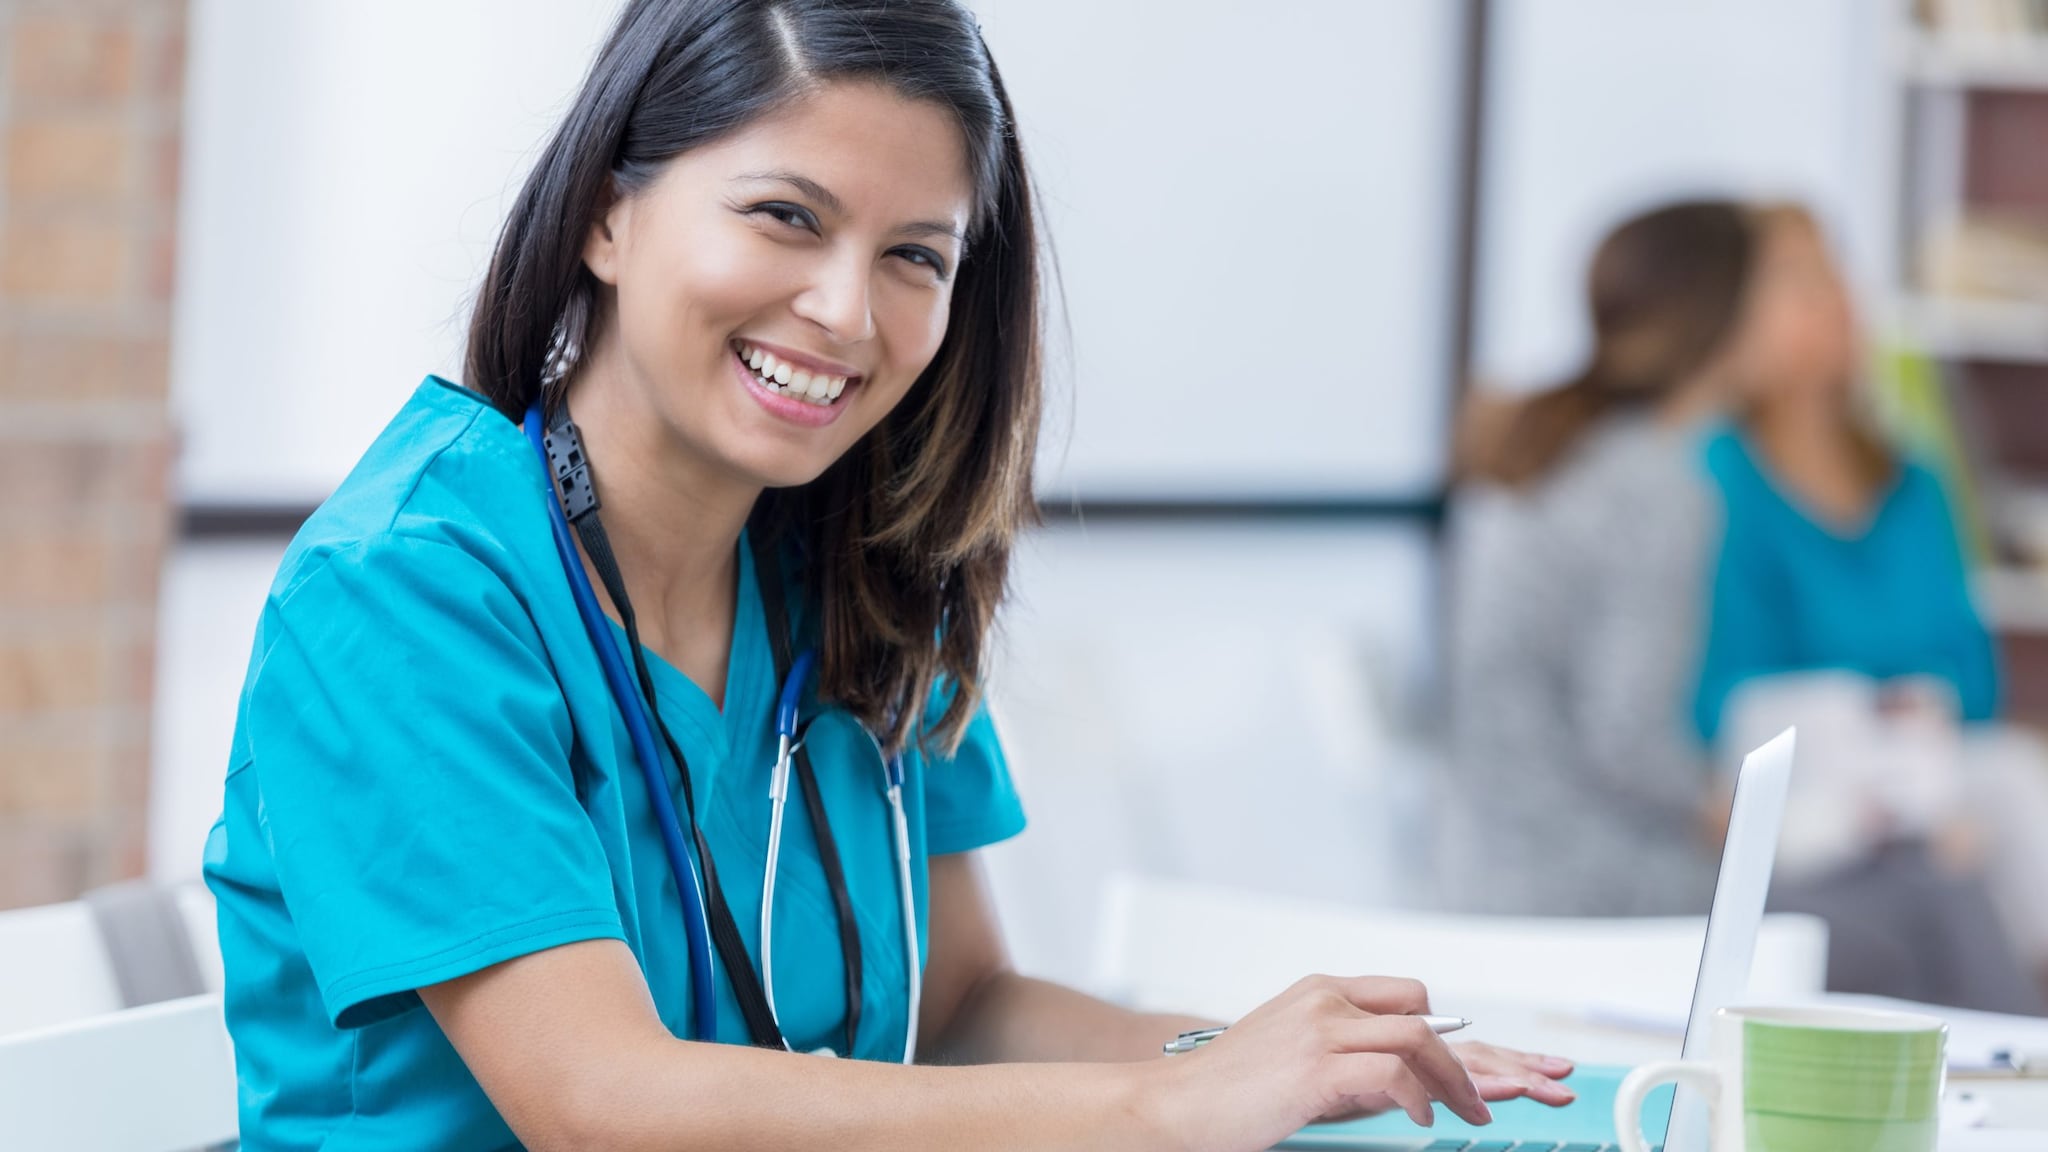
{"points": [[1806, 1080]]}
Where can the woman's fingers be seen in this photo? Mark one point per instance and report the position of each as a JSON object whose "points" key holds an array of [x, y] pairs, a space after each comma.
{"points": [[1503, 1073], [1388, 1080], [1426, 1056], [1495, 1088]]}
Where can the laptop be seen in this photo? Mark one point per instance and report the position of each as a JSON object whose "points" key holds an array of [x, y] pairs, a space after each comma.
{"points": [[1723, 977]]}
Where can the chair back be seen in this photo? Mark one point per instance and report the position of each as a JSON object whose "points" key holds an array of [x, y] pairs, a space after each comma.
{"points": [[56, 964], [159, 1078], [1173, 946], [53, 967]]}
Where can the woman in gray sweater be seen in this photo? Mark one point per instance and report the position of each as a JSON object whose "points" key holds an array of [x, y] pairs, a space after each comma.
{"points": [[1579, 547]]}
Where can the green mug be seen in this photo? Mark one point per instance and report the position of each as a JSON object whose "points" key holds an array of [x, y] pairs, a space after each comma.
{"points": [[1807, 1080]]}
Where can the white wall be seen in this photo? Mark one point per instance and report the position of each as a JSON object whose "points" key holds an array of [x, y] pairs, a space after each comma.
{"points": [[346, 167], [211, 595], [1220, 703], [1598, 108]]}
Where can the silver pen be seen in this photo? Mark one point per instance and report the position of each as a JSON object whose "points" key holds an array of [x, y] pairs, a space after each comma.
{"points": [[1189, 1041]]}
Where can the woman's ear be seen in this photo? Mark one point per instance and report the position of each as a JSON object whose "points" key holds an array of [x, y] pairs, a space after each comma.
{"points": [[601, 245]]}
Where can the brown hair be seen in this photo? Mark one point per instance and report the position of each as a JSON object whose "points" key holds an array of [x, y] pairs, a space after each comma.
{"points": [[905, 541], [1665, 291]]}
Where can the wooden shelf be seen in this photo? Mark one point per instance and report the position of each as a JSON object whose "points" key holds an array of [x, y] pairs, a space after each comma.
{"points": [[1958, 62], [1963, 329], [2014, 599]]}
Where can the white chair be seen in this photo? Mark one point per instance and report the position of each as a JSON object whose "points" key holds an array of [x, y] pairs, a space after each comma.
{"points": [[54, 965], [151, 1079], [53, 968], [1173, 946]]}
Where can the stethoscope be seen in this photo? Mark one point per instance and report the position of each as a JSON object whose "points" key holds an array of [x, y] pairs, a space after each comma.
{"points": [[707, 922]]}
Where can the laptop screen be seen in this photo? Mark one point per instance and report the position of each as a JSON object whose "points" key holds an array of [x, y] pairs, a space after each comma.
{"points": [[1732, 923]]}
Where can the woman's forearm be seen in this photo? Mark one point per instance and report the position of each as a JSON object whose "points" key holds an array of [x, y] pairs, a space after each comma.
{"points": [[568, 1046], [1008, 1017], [682, 1095]]}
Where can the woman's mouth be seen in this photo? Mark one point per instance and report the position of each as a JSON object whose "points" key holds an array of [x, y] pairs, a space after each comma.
{"points": [[777, 377]]}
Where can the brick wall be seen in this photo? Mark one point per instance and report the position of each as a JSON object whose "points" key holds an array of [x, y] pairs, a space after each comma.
{"points": [[90, 94]]}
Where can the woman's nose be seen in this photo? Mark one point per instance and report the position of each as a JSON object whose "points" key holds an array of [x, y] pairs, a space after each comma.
{"points": [[837, 301]]}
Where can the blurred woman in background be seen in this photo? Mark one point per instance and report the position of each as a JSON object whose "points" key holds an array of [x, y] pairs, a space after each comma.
{"points": [[1579, 547], [1841, 603], [1638, 584]]}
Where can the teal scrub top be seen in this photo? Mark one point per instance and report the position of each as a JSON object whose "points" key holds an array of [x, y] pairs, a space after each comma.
{"points": [[429, 776], [1889, 599]]}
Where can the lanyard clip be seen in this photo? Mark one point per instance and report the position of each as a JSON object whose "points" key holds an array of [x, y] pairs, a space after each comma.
{"points": [[569, 465]]}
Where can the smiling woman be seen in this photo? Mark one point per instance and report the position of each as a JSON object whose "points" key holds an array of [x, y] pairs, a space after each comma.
{"points": [[767, 310], [730, 187]]}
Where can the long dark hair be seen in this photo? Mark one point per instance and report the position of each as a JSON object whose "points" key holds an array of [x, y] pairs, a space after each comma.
{"points": [[906, 540], [1665, 291]]}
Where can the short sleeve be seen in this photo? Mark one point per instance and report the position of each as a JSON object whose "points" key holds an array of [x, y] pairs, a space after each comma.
{"points": [[416, 789], [969, 799]]}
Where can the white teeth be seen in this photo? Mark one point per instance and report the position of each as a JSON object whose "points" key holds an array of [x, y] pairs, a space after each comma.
{"points": [[786, 380]]}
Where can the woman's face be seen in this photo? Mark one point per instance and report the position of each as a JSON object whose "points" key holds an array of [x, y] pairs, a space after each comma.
{"points": [[775, 293], [1798, 334]]}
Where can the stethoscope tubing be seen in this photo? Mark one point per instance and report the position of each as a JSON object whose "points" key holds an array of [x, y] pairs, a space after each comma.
{"points": [[633, 710], [899, 826], [703, 999]]}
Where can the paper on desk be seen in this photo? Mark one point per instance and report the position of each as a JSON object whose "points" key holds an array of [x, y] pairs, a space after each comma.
{"points": [[1993, 1140], [1972, 1036]]}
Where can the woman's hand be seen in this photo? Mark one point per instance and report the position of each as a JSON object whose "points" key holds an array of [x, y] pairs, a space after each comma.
{"points": [[1332, 1048]]}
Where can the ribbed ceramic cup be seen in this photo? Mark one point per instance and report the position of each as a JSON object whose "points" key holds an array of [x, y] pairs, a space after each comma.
{"points": [[1808, 1080]]}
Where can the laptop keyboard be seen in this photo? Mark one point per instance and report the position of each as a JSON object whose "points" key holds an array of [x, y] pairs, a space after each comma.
{"points": [[1524, 1146]]}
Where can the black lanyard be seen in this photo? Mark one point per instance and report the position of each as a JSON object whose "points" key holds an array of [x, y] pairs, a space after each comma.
{"points": [[725, 934]]}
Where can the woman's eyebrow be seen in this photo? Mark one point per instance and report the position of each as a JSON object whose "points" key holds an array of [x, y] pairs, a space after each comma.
{"points": [[803, 184], [837, 207], [932, 228]]}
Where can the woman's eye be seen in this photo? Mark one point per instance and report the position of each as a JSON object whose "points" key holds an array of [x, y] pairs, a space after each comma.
{"points": [[790, 214], [925, 257]]}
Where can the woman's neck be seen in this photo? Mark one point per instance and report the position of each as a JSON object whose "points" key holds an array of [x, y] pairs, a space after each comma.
{"points": [[1811, 448], [673, 522], [1690, 403]]}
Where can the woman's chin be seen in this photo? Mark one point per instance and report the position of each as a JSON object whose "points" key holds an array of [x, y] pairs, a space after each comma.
{"points": [[783, 472]]}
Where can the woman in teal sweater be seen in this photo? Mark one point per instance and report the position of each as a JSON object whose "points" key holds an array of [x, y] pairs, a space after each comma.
{"points": [[1840, 562], [1882, 591]]}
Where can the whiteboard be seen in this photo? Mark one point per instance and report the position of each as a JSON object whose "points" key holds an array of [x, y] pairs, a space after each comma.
{"points": [[1253, 206], [1251, 203]]}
